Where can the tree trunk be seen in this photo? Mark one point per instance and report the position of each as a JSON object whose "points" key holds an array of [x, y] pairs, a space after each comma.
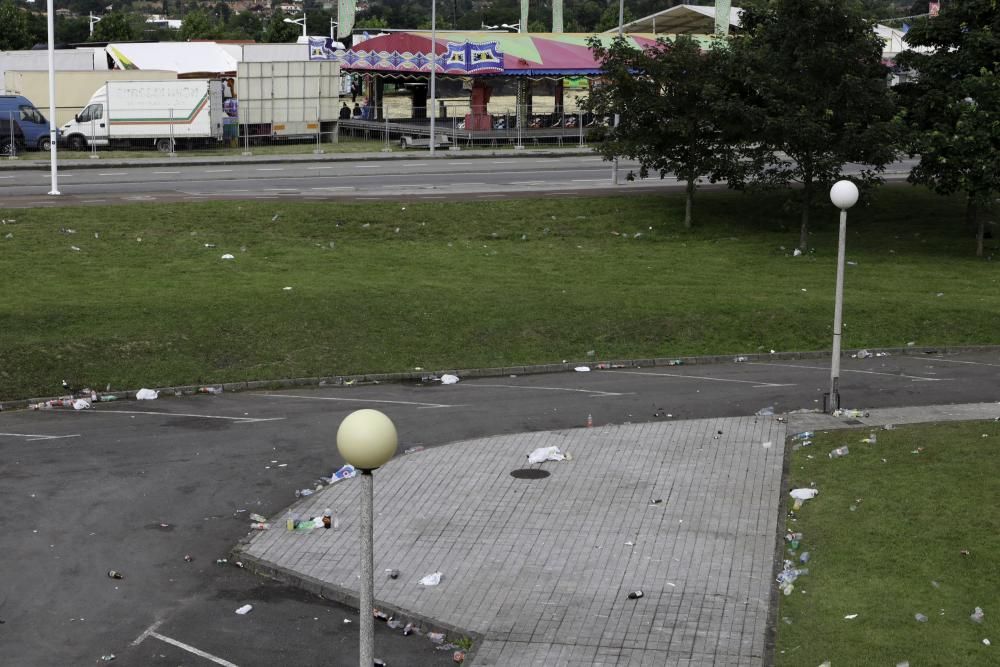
{"points": [[688, 203], [806, 203]]}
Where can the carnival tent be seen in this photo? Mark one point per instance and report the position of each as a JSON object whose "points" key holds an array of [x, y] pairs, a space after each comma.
{"points": [[474, 53]]}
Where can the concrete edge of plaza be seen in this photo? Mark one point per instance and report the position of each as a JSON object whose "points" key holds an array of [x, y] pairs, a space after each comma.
{"points": [[503, 371], [347, 597], [43, 164]]}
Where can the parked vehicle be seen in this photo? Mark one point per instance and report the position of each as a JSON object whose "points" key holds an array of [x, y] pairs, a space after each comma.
{"points": [[11, 138], [34, 126], [288, 100], [164, 114]]}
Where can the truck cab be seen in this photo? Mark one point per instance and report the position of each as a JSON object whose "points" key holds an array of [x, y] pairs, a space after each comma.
{"points": [[89, 126], [19, 109]]}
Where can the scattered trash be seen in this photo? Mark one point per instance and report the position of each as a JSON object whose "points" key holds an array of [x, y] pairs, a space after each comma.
{"points": [[257, 517], [675, 362], [582, 369], [380, 615], [260, 526], [328, 519], [546, 454], [393, 574], [431, 580], [839, 452], [804, 558], [414, 450], [986, 642], [287, 289], [804, 435], [911, 343], [862, 354], [409, 629], [871, 439], [797, 253], [850, 413], [74, 248], [209, 390], [345, 472], [635, 595], [115, 574], [977, 616], [740, 360], [767, 445], [228, 256], [851, 617], [146, 395], [655, 501], [108, 658], [918, 450], [793, 540], [347, 621], [630, 544], [188, 558], [935, 584], [590, 421], [964, 552], [245, 609], [804, 493], [458, 656], [447, 378], [765, 412], [81, 404], [436, 637], [221, 561], [303, 493], [394, 624]]}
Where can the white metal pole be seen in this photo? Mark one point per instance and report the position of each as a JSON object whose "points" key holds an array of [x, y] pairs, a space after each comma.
{"points": [[53, 136], [621, 20], [366, 597], [838, 312], [304, 33], [433, 109]]}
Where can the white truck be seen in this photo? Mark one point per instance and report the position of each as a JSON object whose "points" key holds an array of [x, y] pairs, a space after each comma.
{"points": [[287, 99], [164, 114]]}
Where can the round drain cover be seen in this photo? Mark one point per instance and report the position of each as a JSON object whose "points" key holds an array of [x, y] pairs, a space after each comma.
{"points": [[529, 473]]}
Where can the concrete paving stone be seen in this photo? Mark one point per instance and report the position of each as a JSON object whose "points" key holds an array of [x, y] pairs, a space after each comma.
{"points": [[540, 568]]}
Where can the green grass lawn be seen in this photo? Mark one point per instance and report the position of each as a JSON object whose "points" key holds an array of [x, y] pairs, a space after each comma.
{"points": [[388, 286], [886, 535]]}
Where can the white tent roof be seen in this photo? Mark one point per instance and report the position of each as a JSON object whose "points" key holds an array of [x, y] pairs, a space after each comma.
{"points": [[680, 20], [181, 57]]}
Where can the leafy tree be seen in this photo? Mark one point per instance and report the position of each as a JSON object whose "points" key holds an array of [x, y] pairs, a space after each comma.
{"points": [[953, 108], [278, 31], [16, 34], [71, 30], [674, 106], [199, 24], [116, 27], [244, 25], [814, 86]]}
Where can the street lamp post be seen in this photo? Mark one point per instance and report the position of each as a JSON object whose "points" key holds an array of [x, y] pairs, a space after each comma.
{"points": [[53, 132], [367, 440], [301, 22], [843, 194], [333, 24], [93, 20], [621, 21], [433, 104]]}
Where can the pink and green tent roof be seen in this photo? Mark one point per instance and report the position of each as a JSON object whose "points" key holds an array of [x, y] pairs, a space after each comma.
{"points": [[476, 53]]}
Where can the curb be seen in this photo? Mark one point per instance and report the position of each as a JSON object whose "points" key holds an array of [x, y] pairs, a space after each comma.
{"points": [[500, 371], [347, 597]]}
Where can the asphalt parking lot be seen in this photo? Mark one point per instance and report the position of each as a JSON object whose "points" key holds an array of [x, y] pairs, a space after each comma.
{"points": [[137, 486]]}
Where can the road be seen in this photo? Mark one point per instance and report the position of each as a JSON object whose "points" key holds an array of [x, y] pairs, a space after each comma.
{"points": [[136, 486], [439, 178]]}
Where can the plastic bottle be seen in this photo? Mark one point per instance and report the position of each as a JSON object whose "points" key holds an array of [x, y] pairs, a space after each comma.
{"points": [[290, 522], [327, 519], [805, 435], [115, 574], [839, 451]]}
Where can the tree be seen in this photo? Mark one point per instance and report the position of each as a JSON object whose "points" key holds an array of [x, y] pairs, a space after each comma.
{"points": [[199, 25], [673, 106], [16, 34], [115, 27], [815, 93], [953, 108], [278, 31]]}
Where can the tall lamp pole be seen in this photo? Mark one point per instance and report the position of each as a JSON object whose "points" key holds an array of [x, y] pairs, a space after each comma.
{"points": [[433, 109], [367, 440], [621, 21], [301, 22], [843, 194], [53, 132]]}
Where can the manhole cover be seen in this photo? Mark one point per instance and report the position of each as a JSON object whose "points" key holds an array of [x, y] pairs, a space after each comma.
{"points": [[529, 473]]}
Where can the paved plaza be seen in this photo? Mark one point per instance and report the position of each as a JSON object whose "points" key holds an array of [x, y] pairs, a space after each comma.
{"points": [[541, 569]]}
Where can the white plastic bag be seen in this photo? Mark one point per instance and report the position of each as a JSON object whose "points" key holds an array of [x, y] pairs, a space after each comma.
{"points": [[146, 395], [431, 579], [244, 610], [81, 404], [546, 454], [448, 378], [582, 369], [804, 494]]}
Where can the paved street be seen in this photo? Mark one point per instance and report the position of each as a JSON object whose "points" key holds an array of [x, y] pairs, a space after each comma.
{"points": [[85, 492]]}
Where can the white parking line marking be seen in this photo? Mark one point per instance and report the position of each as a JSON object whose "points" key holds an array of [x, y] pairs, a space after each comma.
{"points": [[151, 632], [315, 168], [848, 370], [589, 180], [958, 361], [113, 173], [217, 171], [415, 164], [527, 182], [238, 420], [340, 187], [270, 168], [358, 400], [166, 172], [755, 383], [596, 392], [368, 166], [6, 177], [35, 436]]}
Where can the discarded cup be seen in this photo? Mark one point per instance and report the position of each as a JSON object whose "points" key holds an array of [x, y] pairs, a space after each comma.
{"points": [[458, 656], [977, 616], [920, 618], [839, 452], [435, 637], [409, 629], [115, 574]]}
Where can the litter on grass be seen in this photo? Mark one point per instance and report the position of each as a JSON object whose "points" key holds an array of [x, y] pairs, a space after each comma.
{"points": [[146, 395], [228, 256], [977, 616], [851, 617], [547, 454], [804, 494]]}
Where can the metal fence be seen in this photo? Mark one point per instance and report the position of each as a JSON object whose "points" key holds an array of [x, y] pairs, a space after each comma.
{"points": [[394, 124]]}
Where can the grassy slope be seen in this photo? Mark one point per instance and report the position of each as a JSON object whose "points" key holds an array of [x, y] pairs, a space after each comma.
{"points": [[914, 514], [443, 291]]}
